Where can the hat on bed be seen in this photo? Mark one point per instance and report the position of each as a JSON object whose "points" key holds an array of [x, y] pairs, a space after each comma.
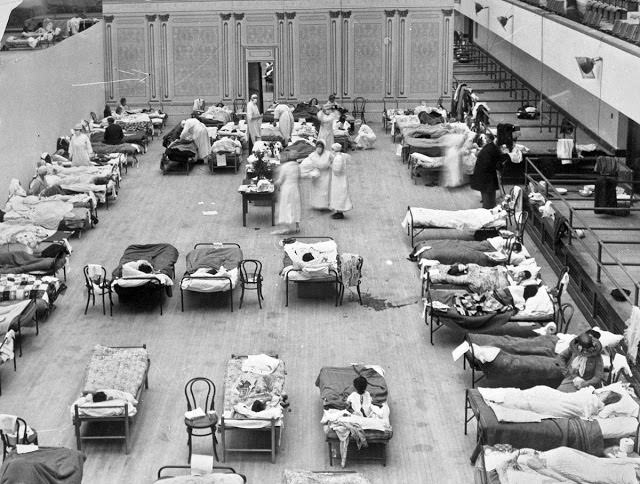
{"points": [[77, 127], [336, 147]]}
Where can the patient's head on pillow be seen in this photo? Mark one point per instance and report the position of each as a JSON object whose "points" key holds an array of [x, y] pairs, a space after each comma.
{"points": [[145, 267], [609, 398], [258, 406], [213, 272], [307, 257], [360, 384], [99, 397]]}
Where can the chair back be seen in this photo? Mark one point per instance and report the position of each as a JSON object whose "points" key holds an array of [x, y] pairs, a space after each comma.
{"points": [[359, 104], [200, 392], [250, 271], [566, 315], [13, 431], [563, 282], [94, 117], [521, 221], [95, 276], [239, 105]]}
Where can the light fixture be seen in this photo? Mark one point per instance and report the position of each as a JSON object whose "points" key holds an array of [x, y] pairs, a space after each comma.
{"points": [[479, 8], [503, 20], [586, 65]]}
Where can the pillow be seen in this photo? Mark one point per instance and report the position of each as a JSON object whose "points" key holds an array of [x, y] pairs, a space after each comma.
{"points": [[485, 354], [617, 427], [607, 339], [119, 395], [626, 407]]}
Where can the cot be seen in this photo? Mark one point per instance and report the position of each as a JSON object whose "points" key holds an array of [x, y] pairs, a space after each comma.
{"points": [[582, 434], [136, 122], [178, 154], [43, 289], [313, 261], [248, 379], [323, 477], [219, 475], [121, 372], [53, 213], [417, 219], [129, 283], [212, 268], [46, 465], [335, 385], [20, 262], [298, 150]]}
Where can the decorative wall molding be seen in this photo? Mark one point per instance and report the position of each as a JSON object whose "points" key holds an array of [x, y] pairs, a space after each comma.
{"points": [[368, 58], [108, 18], [164, 57], [334, 14], [151, 18], [290, 15], [164, 17], [225, 17], [151, 52], [401, 55], [346, 13], [389, 13], [447, 12], [238, 16], [280, 15], [388, 54], [446, 46], [239, 64], [403, 13], [345, 67], [291, 39], [108, 67]]}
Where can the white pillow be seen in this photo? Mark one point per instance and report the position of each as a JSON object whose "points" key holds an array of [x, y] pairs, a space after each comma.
{"points": [[485, 354], [626, 407], [607, 339], [617, 427]]}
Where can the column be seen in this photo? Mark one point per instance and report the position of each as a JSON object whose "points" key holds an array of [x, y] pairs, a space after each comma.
{"points": [[226, 65], [164, 57], [108, 52], [240, 67], [388, 52], [402, 41], [151, 53]]}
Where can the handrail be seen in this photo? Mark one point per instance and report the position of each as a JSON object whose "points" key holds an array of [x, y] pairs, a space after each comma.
{"points": [[602, 249], [543, 98]]}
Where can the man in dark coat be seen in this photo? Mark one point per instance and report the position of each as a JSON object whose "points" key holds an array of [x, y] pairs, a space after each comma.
{"points": [[113, 134], [485, 173]]}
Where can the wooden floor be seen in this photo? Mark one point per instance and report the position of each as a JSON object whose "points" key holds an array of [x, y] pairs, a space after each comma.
{"points": [[426, 387]]}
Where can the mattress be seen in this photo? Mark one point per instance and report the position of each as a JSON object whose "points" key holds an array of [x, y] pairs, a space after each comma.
{"points": [[217, 478], [244, 388], [19, 262], [323, 266], [309, 477], [212, 257], [15, 314], [122, 369], [470, 219], [17, 287], [162, 257], [478, 279]]}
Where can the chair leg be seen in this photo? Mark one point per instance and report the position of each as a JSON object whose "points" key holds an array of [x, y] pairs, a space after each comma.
{"points": [[182, 299], [189, 445], [241, 296], [86, 308], [110, 304], [359, 295], [104, 306], [259, 291], [215, 443]]}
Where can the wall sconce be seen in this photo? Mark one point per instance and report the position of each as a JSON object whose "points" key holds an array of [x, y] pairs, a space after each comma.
{"points": [[503, 20], [586, 65], [479, 8]]}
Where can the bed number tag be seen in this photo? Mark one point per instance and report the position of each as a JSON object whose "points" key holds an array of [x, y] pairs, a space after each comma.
{"points": [[221, 160]]}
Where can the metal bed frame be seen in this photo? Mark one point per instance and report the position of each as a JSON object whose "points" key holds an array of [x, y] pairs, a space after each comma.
{"points": [[224, 469], [220, 278], [78, 419], [333, 277], [274, 430]]}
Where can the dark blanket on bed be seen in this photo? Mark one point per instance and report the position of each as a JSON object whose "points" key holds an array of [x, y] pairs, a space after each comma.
{"points": [[454, 251], [100, 148], [465, 324], [214, 257], [522, 371], [19, 262], [296, 151], [336, 384], [543, 345], [162, 257], [47, 465], [584, 435], [172, 135], [308, 112]]}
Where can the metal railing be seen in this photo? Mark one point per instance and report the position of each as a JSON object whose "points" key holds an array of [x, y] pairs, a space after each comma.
{"points": [[533, 174]]}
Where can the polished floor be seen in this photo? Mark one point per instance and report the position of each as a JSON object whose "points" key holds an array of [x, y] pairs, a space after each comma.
{"points": [[426, 387]]}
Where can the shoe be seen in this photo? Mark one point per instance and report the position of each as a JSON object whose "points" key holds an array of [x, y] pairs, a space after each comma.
{"points": [[338, 215]]}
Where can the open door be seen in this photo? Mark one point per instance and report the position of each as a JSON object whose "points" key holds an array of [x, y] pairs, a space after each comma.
{"points": [[260, 77]]}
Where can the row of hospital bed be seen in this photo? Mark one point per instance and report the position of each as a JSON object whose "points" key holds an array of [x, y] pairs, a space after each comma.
{"points": [[514, 328]]}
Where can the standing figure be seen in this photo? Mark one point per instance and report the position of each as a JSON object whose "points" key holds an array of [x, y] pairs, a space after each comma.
{"points": [[282, 114], [254, 120], [326, 117], [317, 166], [80, 150], [485, 173], [197, 132], [339, 199], [288, 180]]}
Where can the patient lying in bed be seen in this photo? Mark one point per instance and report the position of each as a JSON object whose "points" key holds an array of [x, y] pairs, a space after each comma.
{"points": [[105, 403], [511, 404], [138, 272]]}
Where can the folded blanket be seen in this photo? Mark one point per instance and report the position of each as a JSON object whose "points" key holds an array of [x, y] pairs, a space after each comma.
{"points": [[261, 364]]}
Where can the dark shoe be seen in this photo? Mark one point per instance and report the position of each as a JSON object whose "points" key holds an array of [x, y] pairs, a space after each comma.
{"points": [[338, 215]]}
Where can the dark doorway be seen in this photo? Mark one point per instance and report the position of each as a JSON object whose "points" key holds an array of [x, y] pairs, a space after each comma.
{"points": [[260, 82]]}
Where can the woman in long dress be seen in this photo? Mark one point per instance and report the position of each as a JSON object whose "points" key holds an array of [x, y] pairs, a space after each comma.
{"points": [[288, 180], [283, 115], [80, 149], [254, 120], [339, 199], [196, 131], [326, 117], [317, 166]]}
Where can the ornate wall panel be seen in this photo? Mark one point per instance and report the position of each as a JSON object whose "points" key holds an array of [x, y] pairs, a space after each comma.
{"points": [[195, 61], [130, 58], [260, 34], [424, 55], [313, 60], [368, 59]]}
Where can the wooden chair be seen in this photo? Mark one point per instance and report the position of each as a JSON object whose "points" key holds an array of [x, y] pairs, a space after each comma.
{"points": [[359, 107], [251, 279], [96, 282], [6, 341], [200, 392], [21, 434], [240, 107], [94, 117], [358, 268]]}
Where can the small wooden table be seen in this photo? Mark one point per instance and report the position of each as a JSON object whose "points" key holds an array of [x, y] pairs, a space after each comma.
{"points": [[263, 198]]}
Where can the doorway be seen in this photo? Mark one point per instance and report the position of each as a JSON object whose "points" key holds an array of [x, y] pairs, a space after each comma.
{"points": [[261, 77]]}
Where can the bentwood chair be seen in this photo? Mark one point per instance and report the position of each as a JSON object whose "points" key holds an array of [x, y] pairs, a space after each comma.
{"points": [[251, 279], [96, 282], [200, 392], [14, 431], [359, 107]]}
